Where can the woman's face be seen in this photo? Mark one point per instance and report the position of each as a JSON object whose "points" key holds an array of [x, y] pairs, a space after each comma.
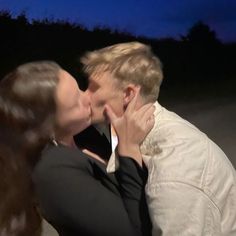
{"points": [[73, 106]]}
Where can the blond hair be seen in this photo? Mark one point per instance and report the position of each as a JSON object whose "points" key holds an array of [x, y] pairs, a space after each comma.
{"points": [[131, 62]]}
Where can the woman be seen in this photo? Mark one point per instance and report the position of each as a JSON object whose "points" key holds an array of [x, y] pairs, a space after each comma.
{"points": [[42, 108]]}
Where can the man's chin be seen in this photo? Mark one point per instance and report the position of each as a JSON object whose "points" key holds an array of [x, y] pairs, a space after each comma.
{"points": [[102, 120]]}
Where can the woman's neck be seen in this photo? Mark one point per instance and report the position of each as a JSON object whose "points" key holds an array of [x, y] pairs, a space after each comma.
{"points": [[66, 140]]}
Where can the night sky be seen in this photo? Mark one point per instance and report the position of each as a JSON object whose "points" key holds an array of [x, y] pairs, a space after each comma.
{"points": [[150, 18]]}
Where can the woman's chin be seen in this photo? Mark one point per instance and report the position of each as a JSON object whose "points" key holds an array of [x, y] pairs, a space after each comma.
{"points": [[87, 123]]}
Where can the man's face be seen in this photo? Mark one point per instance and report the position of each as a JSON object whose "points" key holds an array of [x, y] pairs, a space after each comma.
{"points": [[103, 89]]}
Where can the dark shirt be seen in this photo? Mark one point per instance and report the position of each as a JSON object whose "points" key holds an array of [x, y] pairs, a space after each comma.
{"points": [[78, 197], [95, 142]]}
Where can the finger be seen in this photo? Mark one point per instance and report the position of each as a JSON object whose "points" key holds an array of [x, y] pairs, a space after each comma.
{"points": [[110, 114], [150, 123], [132, 105], [148, 114], [145, 112], [145, 107]]}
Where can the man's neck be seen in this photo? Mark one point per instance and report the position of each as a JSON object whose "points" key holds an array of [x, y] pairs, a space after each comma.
{"points": [[140, 102]]}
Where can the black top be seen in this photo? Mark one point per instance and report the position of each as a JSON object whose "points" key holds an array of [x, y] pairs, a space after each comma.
{"points": [[78, 197]]}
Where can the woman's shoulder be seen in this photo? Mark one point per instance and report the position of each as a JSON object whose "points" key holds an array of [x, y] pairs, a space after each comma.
{"points": [[58, 158], [62, 153]]}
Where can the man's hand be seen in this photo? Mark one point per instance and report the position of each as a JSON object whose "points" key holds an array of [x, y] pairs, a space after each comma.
{"points": [[132, 127]]}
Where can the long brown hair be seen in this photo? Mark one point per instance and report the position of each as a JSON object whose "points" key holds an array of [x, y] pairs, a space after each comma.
{"points": [[27, 113]]}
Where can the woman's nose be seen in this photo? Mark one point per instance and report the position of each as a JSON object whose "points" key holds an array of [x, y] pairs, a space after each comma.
{"points": [[86, 98]]}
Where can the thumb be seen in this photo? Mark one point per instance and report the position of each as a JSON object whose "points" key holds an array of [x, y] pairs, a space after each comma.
{"points": [[110, 114]]}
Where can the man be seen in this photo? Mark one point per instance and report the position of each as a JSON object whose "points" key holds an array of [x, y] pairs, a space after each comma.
{"points": [[191, 187]]}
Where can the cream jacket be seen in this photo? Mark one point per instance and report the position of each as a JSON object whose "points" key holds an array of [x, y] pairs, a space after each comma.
{"points": [[191, 188]]}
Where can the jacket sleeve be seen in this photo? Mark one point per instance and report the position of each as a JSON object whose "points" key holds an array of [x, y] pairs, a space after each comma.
{"points": [[181, 209], [71, 197], [132, 179]]}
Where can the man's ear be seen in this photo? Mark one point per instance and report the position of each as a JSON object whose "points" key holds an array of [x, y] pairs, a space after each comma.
{"points": [[129, 93]]}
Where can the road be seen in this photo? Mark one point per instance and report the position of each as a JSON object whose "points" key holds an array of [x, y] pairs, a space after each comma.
{"points": [[216, 118]]}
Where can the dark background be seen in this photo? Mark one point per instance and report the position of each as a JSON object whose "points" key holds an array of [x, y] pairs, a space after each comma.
{"points": [[198, 57]]}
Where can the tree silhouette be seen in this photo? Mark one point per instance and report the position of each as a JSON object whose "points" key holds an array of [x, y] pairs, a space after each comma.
{"points": [[194, 57], [202, 34]]}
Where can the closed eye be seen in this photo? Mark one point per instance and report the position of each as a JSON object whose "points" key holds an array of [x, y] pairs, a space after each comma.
{"points": [[93, 86]]}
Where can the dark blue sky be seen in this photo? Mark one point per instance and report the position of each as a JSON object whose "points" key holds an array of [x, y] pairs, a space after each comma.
{"points": [[151, 18]]}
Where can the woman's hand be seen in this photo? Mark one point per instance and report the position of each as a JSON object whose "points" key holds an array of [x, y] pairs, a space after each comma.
{"points": [[132, 127]]}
